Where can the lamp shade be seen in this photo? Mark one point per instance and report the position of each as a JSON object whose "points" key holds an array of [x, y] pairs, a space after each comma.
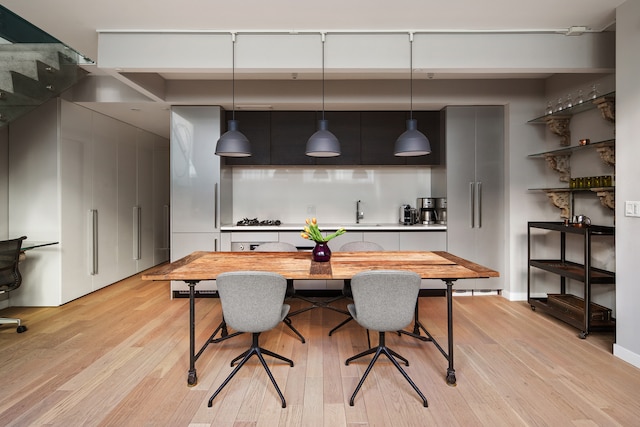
{"points": [[233, 143], [412, 142], [323, 143]]}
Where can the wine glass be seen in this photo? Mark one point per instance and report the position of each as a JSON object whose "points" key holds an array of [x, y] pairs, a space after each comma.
{"points": [[568, 103], [549, 109], [559, 106], [594, 92], [579, 99]]}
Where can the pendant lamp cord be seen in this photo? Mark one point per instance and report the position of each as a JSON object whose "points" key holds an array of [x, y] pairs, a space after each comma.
{"points": [[411, 75], [323, 40], [233, 76]]}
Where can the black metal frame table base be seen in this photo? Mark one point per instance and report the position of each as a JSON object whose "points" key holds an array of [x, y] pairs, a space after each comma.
{"points": [[192, 379], [417, 326]]}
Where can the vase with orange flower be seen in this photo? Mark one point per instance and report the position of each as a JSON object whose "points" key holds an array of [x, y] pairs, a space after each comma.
{"points": [[321, 252]]}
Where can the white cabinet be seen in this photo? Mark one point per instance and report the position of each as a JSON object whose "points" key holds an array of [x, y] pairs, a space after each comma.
{"points": [[195, 169], [195, 184], [104, 197], [161, 201], [143, 200], [475, 188], [423, 241], [143, 222], [127, 194], [75, 183], [88, 202]]}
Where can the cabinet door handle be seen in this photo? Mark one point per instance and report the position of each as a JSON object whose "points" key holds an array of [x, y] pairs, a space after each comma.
{"points": [[479, 203], [166, 228], [136, 232], [93, 241], [472, 204], [215, 206]]}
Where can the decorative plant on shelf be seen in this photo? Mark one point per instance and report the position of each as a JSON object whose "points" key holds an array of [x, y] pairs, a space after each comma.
{"points": [[321, 252]]}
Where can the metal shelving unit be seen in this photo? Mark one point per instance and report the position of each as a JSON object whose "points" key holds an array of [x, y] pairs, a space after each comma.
{"points": [[570, 308]]}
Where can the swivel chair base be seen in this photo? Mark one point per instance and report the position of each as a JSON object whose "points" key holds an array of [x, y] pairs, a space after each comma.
{"points": [[392, 355], [257, 351], [8, 321]]}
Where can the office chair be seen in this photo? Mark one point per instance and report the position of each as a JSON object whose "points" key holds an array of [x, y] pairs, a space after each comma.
{"points": [[384, 301], [10, 277], [253, 301], [346, 288]]}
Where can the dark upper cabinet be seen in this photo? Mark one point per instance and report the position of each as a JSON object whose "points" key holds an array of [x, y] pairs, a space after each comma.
{"points": [[290, 131], [345, 125], [378, 134], [256, 126], [366, 138], [429, 125]]}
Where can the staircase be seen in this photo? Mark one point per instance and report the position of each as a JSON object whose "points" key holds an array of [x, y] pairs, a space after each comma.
{"points": [[34, 67]]}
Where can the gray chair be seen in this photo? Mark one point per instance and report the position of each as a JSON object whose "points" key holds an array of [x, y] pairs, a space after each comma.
{"points": [[384, 301], [222, 327], [291, 292], [253, 301], [346, 288], [10, 277]]}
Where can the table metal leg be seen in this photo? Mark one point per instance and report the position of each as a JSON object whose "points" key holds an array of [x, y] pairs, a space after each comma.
{"points": [[193, 377], [451, 372]]}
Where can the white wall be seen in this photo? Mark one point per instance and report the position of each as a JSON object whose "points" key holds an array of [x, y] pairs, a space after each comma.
{"points": [[292, 194], [627, 344]]}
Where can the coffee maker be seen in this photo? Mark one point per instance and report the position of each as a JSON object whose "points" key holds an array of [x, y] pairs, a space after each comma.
{"points": [[408, 215], [428, 212], [441, 210]]}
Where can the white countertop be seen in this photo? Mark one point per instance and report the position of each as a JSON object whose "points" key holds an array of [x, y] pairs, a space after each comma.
{"points": [[333, 227]]}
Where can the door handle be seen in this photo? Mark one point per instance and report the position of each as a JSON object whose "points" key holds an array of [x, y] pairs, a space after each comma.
{"points": [[472, 204], [136, 232], [479, 203], [215, 206], [93, 241]]}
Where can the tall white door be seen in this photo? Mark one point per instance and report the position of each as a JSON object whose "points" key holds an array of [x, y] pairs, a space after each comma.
{"points": [[127, 193], [144, 180], [105, 199], [475, 188]]}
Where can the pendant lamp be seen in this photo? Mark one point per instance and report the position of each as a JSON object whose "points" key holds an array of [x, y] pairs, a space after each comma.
{"points": [[233, 143], [412, 142], [323, 143]]}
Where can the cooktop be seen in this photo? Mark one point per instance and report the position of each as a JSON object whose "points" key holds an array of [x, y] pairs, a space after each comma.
{"points": [[256, 221]]}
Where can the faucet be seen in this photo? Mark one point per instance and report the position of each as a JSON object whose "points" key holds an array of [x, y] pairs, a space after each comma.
{"points": [[359, 213]]}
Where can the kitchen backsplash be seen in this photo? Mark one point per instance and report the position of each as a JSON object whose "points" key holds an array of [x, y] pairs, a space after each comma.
{"points": [[292, 194]]}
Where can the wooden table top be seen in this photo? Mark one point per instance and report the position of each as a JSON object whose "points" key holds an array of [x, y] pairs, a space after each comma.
{"points": [[298, 265]]}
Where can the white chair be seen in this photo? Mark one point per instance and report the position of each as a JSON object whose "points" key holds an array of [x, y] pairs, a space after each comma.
{"points": [[253, 301], [346, 288], [10, 277], [384, 301]]}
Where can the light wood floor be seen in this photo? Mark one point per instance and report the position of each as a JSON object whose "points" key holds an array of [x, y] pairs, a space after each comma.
{"points": [[119, 357]]}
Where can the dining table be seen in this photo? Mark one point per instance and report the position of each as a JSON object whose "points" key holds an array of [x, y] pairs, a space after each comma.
{"points": [[200, 265]]}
